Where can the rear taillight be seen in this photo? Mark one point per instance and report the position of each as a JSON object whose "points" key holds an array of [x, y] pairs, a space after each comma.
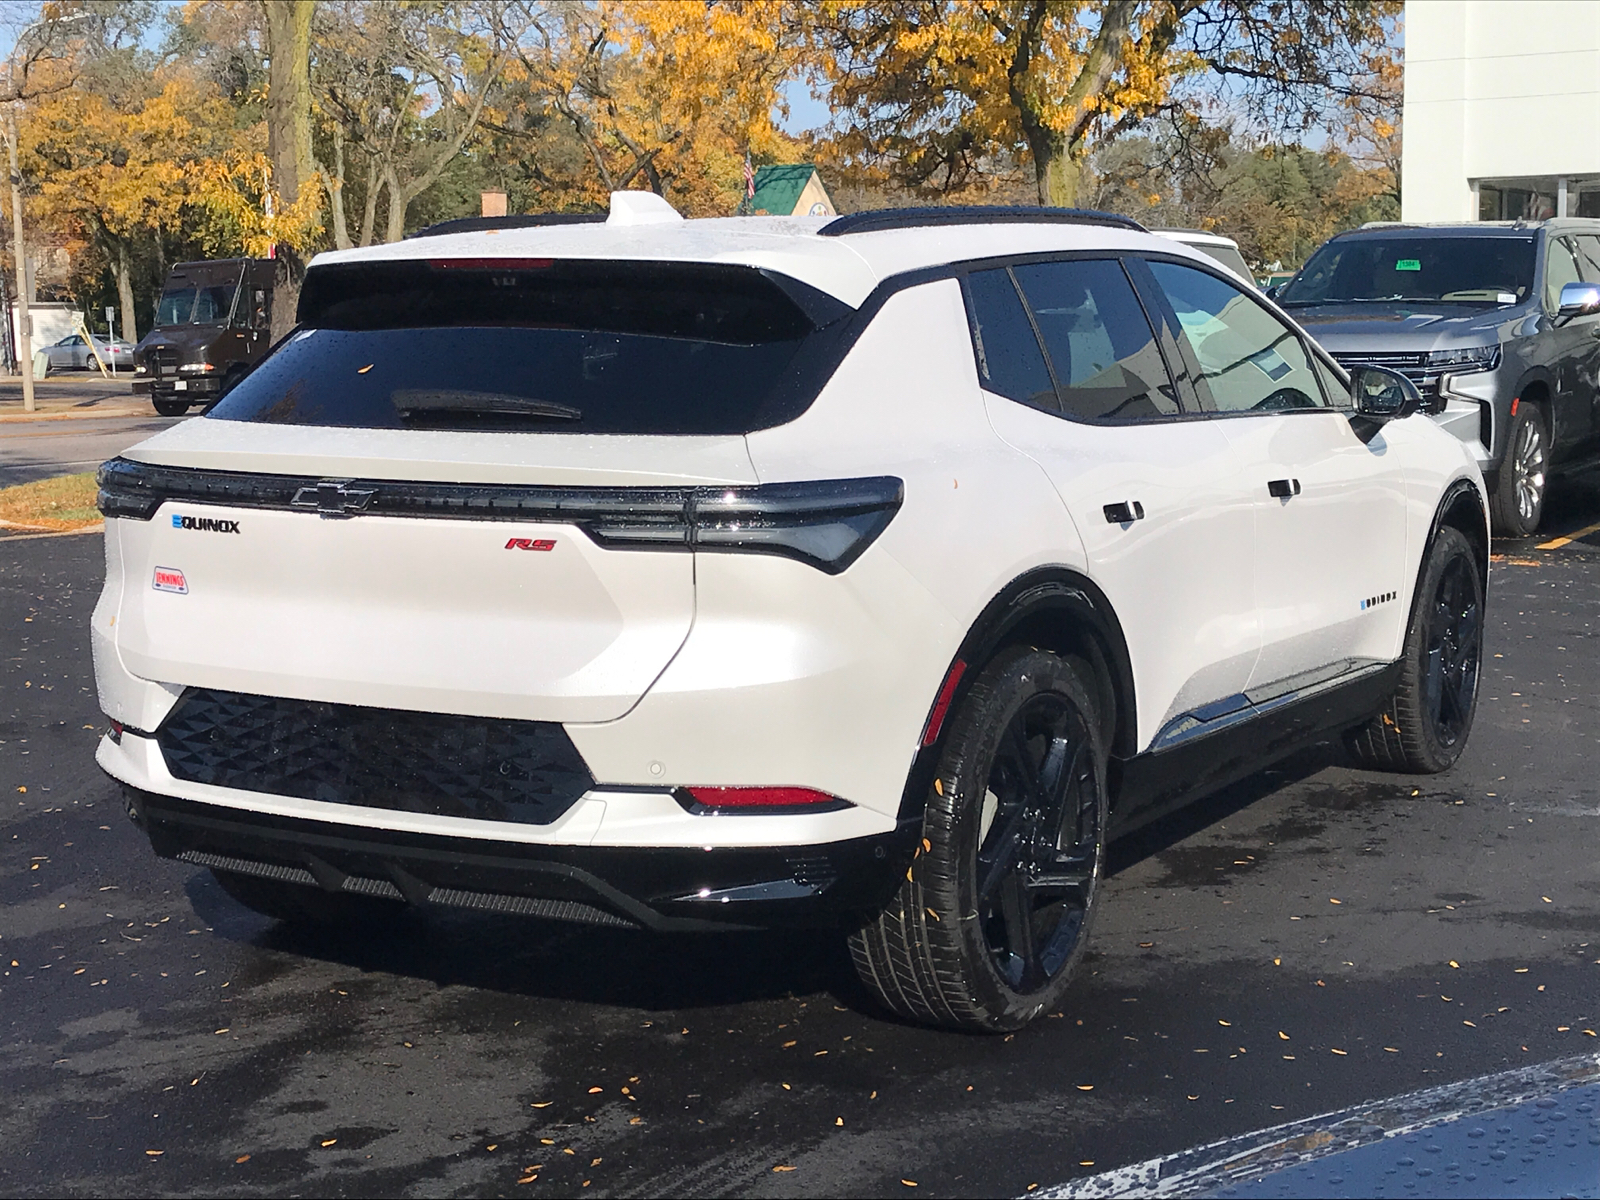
{"points": [[761, 799], [116, 732], [824, 523]]}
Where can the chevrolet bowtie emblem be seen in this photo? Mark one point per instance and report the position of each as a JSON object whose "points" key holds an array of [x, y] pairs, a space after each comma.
{"points": [[334, 498]]}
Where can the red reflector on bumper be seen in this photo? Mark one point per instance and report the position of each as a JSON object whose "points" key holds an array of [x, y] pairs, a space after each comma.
{"points": [[759, 797]]}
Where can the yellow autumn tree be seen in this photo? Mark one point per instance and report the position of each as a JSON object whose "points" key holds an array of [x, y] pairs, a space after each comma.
{"points": [[937, 92], [111, 173], [668, 96]]}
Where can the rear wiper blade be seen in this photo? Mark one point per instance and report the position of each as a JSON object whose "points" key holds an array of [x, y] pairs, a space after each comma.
{"points": [[434, 402]]}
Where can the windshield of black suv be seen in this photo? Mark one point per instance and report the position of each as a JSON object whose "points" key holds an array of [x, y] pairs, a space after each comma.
{"points": [[539, 345], [1419, 270]]}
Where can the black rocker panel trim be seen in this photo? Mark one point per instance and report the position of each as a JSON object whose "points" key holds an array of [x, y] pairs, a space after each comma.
{"points": [[480, 768]]}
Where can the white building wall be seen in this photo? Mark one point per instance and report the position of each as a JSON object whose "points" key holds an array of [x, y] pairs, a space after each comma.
{"points": [[1496, 90]]}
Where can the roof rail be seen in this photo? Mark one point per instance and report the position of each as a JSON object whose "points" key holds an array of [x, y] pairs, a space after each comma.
{"points": [[515, 221], [971, 214]]}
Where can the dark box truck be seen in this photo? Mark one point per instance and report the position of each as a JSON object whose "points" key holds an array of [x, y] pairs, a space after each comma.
{"points": [[211, 327]]}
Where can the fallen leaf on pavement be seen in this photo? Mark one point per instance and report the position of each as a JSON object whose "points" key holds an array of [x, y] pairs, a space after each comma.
{"points": [[1341, 1053], [329, 1142], [1086, 1087], [243, 1158], [782, 1167]]}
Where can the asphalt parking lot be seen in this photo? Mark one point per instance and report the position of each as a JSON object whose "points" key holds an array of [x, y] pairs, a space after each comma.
{"points": [[1312, 939]]}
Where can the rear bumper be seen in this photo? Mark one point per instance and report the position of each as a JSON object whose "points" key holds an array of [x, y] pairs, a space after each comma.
{"points": [[673, 888]]}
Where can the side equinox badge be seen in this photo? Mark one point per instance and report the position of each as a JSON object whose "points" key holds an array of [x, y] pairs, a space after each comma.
{"points": [[168, 580]]}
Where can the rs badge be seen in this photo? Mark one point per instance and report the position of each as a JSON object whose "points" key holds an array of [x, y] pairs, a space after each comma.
{"points": [[168, 580], [531, 544]]}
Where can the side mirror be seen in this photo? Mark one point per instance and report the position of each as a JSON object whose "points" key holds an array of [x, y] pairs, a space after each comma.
{"points": [[1383, 395], [1273, 290], [1578, 300]]}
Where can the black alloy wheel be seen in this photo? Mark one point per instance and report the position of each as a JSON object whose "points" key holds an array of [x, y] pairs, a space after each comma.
{"points": [[1038, 853], [995, 910], [1452, 647], [1423, 727]]}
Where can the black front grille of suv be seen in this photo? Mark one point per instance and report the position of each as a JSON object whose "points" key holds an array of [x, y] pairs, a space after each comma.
{"points": [[449, 766]]}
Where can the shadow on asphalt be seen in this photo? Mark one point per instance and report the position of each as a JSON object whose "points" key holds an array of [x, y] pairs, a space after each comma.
{"points": [[654, 972]]}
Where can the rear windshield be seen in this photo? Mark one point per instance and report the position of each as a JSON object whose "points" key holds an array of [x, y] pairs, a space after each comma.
{"points": [[1461, 270], [539, 345]]}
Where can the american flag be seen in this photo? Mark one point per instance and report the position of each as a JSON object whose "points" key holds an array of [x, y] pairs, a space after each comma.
{"points": [[749, 179]]}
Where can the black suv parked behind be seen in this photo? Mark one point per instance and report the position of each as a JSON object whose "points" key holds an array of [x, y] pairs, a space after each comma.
{"points": [[1491, 321]]}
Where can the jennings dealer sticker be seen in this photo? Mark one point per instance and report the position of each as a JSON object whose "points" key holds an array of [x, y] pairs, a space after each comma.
{"points": [[168, 580]]}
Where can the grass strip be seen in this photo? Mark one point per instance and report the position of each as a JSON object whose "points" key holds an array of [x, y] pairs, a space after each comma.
{"points": [[66, 502]]}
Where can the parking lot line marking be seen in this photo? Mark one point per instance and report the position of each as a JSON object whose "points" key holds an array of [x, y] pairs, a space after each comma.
{"points": [[1564, 539]]}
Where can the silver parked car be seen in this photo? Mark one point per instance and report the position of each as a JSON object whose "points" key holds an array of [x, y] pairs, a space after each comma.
{"points": [[71, 353], [1497, 323]]}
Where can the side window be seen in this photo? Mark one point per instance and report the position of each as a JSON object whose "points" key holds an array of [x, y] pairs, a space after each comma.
{"points": [[1104, 353], [1337, 393], [1560, 269], [1010, 362], [1249, 360], [1588, 257]]}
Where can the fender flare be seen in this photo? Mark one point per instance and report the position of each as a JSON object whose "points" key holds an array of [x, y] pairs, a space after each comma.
{"points": [[1038, 601]]}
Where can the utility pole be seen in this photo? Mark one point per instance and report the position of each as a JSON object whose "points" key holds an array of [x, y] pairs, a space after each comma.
{"points": [[20, 253]]}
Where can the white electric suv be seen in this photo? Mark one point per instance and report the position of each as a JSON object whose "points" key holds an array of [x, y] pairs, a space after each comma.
{"points": [[715, 574]]}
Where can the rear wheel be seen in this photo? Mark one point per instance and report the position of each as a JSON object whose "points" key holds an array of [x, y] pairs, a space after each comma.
{"points": [[1423, 728], [1518, 501], [171, 408], [302, 904], [995, 910]]}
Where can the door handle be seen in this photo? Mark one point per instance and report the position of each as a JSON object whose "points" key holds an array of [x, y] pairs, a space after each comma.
{"points": [[1283, 488], [1122, 514]]}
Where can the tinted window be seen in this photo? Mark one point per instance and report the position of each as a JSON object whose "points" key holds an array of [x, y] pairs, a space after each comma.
{"points": [[1560, 269], [1249, 360], [1338, 394], [175, 307], [1465, 270], [537, 346], [1588, 247], [1009, 359], [213, 304], [1099, 341]]}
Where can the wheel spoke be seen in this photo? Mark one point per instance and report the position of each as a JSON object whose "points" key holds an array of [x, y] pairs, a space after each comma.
{"points": [[1015, 754], [1017, 911], [1002, 858]]}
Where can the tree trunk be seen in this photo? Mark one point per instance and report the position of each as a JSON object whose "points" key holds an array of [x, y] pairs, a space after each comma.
{"points": [[122, 268], [369, 210], [288, 25], [341, 230], [397, 204], [1054, 170]]}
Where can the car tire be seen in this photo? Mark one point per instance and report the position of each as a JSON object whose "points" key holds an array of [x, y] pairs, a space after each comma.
{"points": [[1517, 504], [994, 913], [171, 408], [303, 904], [1424, 726]]}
